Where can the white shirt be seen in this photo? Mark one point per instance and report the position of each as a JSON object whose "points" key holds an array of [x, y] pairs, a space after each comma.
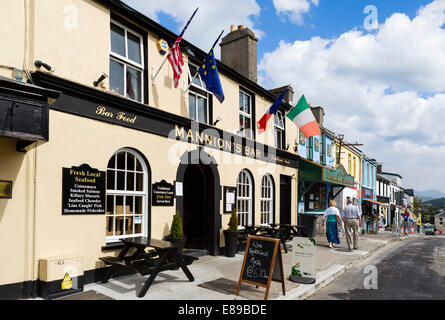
{"points": [[350, 212], [331, 210]]}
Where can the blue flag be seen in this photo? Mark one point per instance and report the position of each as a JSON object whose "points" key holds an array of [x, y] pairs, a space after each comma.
{"points": [[209, 74]]}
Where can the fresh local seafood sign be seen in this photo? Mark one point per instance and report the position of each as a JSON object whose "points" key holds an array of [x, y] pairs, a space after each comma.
{"points": [[303, 257]]}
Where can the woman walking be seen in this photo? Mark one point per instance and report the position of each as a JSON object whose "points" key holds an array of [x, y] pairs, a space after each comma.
{"points": [[333, 219]]}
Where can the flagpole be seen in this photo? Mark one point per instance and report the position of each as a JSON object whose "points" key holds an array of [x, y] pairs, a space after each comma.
{"points": [[182, 32], [196, 74]]}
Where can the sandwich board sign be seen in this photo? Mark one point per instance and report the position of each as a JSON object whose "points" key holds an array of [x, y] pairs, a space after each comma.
{"points": [[303, 260], [262, 263]]}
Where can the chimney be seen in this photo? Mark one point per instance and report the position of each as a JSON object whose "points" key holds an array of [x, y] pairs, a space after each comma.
{"points": [[239, 51], [318, 114], [288, 97], [379, 169]]}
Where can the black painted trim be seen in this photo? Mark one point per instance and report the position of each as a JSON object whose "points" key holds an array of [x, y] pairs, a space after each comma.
{"points": [[162, 118]]}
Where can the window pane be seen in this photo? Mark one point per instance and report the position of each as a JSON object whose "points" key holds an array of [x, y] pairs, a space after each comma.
{"points": [[117, 40], [120, 180], [134, 48], [112, 163], [202, 110], [133, 84], [130, 181], [121, 161], [130, 161], [192, 106], [110, 179], [241, 101], [139, 182], [116, 77]]}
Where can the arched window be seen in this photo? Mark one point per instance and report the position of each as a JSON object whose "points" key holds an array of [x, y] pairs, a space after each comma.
{"points": [[127, 194], [266, 200], [244, 190]]}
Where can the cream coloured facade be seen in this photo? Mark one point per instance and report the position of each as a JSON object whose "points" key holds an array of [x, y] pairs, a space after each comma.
{"points": [[73, 36]]}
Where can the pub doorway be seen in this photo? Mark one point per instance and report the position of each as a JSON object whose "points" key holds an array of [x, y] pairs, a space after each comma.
{"points": [[198, 187], [199, 204]]}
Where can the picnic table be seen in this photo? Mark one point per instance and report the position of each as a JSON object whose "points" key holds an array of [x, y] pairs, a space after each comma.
{"points": [[161, 256]]}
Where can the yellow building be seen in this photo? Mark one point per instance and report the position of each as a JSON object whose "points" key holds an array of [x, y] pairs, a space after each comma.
{"points": [[118, 157]]}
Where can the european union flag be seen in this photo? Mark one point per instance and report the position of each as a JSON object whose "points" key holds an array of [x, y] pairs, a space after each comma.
{"points": [[209, 74]]}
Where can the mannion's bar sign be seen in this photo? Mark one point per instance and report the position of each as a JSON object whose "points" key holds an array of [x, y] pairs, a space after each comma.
{"points": [[174, 127]]}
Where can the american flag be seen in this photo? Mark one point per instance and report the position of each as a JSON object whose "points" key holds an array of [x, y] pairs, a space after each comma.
{"points": [[175, 59], [175, 56]]}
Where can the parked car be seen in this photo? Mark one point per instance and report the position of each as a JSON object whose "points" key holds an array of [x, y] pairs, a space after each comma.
{"points": [[429, 229]]}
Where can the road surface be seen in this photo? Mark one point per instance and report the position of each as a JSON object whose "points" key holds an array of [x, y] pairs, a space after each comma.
{"points": [[408, 270]]}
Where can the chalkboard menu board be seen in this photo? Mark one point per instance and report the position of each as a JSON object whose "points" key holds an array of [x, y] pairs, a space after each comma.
{"points": [[83, 190], [262, 263], [163, 194]]}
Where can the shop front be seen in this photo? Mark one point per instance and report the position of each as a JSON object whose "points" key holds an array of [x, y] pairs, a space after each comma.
{"points": [[318, 184]]}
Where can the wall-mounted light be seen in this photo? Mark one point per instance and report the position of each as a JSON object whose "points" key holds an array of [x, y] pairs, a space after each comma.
{"points": [[101, 78], [288, 146], [39, 64], [296, 145], [217, 120]]}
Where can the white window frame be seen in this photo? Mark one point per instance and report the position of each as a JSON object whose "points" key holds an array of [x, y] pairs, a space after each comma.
{"points": [[267, 199], [247, 115], [279, 129], [244, 182], [125, 193], [203, 88], [125, 61]]}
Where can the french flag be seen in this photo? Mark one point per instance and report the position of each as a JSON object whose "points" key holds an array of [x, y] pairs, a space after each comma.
{"points": [[262, 124]]}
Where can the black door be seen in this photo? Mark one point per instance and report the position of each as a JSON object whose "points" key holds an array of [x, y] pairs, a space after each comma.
{"points": [[196, 207], [285, 199]]}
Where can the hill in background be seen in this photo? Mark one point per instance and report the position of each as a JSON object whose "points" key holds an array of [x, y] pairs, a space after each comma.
{"points": [[438, 203], [428, 195]]}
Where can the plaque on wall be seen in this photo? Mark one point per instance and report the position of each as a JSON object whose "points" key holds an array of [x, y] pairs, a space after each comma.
{"points": [[5, 189], [163, 194], [229, 199], [83, 190]]}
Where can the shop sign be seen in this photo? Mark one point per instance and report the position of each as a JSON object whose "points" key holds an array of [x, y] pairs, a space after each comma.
{"points": [[338, 176], [83, 190], [5, 189], [303, 257], [367, 193], [163, 194], [262, 263]]}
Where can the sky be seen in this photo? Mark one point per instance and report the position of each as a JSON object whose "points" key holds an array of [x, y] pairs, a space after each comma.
{"points": [[377, 67]]}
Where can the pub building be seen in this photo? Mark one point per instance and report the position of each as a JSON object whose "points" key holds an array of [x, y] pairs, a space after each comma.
{"points": [[93, 149]]}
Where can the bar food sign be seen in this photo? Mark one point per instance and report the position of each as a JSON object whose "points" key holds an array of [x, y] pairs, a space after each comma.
{"points": [[83, 190]]}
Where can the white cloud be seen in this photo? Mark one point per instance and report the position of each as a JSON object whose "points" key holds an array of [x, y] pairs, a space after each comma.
{"points": [[294, 9], [384, 89], [211, 18]]}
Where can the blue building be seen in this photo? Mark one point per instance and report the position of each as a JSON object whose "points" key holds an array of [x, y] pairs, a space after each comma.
{"points": [[369, 203]]}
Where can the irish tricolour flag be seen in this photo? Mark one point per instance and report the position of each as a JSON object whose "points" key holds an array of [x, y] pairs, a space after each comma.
{"points": [[304, 119]]}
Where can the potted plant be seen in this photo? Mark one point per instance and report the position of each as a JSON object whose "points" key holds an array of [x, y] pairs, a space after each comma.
{"points": [[231, 236], [176, 235]]}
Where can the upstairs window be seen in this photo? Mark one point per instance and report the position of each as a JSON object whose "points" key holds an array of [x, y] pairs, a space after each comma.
{"points": [[198, 97], [245, 115], [126, 62], [279, 130]]}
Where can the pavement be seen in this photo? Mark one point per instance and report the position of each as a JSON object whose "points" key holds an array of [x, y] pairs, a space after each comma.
{"points": [[216, 278]]}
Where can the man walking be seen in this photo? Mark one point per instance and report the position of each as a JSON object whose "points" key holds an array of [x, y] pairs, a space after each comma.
{"points": [[352, 220]]}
